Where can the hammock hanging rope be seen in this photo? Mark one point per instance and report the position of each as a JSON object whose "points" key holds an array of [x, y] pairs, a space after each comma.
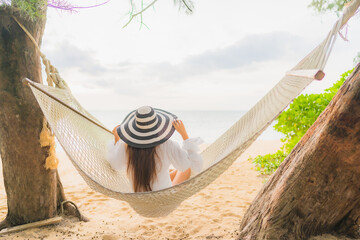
{"points": [[84, 138]]}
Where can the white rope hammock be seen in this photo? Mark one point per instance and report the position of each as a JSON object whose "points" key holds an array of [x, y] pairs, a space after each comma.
{"points": [[84, 138]]}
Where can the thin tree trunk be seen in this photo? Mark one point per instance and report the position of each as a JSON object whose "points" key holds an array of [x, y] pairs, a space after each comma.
{"points": [[316, 189], [33, 193]]}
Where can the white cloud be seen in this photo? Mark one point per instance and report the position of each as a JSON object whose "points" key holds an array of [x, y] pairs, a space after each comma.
{"points": [[250, 50], [69, 56], [225, 56]]}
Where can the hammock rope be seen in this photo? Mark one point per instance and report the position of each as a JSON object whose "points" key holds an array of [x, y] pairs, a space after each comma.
{"points": [[52, 74], [84, 138]]}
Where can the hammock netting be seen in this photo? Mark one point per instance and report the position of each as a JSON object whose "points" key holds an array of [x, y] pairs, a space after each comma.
{"points": [[84, 138]]}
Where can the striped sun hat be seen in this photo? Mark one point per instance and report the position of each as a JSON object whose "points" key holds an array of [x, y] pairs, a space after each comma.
{"points": [[146, 127]]}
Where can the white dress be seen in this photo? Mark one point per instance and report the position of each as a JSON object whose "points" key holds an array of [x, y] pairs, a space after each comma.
{"points": [[169, 153]]}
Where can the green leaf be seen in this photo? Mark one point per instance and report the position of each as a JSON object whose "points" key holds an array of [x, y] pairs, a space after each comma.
{"points": [[294, 122]]}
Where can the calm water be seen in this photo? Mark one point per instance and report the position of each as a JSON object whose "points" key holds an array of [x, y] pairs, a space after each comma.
{"points": [[205, 124]]}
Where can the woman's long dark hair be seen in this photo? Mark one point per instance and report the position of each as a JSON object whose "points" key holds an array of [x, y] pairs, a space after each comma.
{"points": [[141, 167]]}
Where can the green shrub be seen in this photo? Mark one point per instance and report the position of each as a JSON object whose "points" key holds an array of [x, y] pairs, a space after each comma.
{"points": [[268, 163], [294, 122]]}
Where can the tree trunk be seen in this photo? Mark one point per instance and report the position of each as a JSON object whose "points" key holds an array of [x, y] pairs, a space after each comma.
{"points": [[316, 189], [33, 193]]}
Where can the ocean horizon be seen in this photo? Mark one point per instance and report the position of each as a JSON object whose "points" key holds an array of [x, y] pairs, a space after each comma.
{"points": [[208, 125]]}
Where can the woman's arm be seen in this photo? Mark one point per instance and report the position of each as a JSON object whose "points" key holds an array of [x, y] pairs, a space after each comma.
{"points": [[180, 128], [187, 156], [117, 138]]}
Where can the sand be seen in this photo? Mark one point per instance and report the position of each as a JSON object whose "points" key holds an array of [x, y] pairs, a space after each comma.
{"points": [[213, 213]]}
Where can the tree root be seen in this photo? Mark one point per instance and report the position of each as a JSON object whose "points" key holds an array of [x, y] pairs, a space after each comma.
{"points": [[66, 207], [4, 224], [69, 208]]}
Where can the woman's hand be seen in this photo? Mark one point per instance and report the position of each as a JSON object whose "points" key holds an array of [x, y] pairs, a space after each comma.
{"points": [[117, 138], [180, 128]]}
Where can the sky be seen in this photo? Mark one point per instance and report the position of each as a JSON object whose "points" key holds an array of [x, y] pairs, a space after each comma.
{"points": [[224, 56]]}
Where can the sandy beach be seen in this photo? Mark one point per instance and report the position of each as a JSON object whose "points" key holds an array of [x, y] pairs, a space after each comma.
{"points": [[213, 213]]}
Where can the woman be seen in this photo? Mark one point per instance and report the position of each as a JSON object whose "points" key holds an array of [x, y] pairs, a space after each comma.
{"points": [[142, 147]]}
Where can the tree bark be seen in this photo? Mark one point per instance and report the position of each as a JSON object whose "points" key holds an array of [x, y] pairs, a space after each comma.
{"points": [[33, 193], [316, 189]]}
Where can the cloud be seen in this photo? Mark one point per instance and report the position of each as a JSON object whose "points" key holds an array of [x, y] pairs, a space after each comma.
{"points": [[67, 56], [251, 49], [129, 78]]}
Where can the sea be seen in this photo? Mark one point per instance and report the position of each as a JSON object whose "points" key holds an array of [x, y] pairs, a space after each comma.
{"points": [[208, 125]]}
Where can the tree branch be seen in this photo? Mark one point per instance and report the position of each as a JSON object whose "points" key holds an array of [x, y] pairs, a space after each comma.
{"points": [[139, 13], [186, 5]]}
